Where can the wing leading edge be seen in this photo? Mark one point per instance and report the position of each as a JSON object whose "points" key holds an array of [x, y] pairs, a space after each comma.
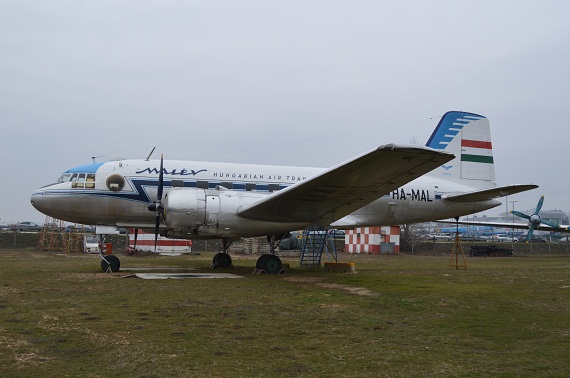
{"points": [[340, 190]]}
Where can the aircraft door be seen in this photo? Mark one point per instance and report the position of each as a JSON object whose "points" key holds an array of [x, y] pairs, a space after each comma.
{"points": [[212, 208]]}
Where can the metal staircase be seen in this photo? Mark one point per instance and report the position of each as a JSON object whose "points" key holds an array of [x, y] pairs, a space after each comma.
{"points": [[314, 243]]}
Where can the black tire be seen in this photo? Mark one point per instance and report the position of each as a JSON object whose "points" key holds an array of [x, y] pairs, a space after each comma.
{"points": [[222, 260], [272, 264], [114, 262], [261, 261]]}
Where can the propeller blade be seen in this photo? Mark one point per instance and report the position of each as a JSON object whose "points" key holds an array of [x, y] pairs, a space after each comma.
{"points": [[519, 214], [539, 205], [157, 206], [160, 181], [551, 224], [530, 232], [156, 227]]}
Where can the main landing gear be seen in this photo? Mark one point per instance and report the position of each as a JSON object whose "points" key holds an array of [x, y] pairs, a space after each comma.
{"points": [[266, 264], [223, 259], [270, 263]]}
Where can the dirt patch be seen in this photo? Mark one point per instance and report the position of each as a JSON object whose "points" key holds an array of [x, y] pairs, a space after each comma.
{"points": [[318, 282], [305, 279], [350, 289]]}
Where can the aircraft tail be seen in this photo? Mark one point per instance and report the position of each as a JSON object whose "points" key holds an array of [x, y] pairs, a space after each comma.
{"points": [[468, 137]]}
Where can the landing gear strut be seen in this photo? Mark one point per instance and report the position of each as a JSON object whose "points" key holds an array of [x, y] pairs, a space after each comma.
{"points": [[223, 259]]}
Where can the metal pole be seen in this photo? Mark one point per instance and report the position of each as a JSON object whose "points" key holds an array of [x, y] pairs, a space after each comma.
{"points": [[512, 229]]}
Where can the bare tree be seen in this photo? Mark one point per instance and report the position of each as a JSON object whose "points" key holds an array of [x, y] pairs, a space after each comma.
{"points": [[409, 234]]}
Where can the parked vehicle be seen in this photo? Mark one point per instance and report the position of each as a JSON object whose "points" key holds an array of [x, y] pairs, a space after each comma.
{"points": [[437, 236], [501, 238], [80, 229], [26, 226], [91, 244], [564, 239], [470, 236], [534, 239]]}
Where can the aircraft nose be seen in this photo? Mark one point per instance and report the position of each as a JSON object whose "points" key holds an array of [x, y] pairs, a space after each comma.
{"points": [[41, 202]]}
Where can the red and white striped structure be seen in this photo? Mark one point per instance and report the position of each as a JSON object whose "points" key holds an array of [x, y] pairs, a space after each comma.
{"points": [[368, 239], [145, 242]]}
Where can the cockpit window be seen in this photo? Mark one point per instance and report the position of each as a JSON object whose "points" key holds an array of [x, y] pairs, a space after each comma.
{"points": [[64, 178], [90, 181], [79, 180]]}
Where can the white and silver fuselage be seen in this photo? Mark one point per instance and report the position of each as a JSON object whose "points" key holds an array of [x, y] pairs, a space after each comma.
{"points": [[117, 193]]}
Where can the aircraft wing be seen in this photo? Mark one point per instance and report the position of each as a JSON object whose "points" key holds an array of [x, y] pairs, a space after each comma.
{"points": [[340, 190], [524, 226], [489, 194]]}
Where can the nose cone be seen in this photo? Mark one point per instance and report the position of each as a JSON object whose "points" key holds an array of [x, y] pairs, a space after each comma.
{"points": [[48, 201], [40, 202]]}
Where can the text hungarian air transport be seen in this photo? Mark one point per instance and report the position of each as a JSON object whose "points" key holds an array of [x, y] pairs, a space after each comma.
{"points": [[390, 185]]}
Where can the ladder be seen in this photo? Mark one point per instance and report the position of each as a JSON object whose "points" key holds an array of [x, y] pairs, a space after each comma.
{"points": [[314, 243], [52, 235]]}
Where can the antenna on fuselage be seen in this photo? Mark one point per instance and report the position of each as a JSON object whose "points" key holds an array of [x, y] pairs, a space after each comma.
{"points": [[96, 157], [148, 157]]}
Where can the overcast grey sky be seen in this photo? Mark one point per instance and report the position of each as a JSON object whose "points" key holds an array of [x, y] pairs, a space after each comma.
{"points": [[278, 82]]}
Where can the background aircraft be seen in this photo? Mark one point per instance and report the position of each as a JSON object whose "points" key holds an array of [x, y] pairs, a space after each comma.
{"points": [[535, 222], [199, 200]]}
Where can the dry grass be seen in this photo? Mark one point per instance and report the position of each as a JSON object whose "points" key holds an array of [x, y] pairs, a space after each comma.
{"points": [[397, 316]]}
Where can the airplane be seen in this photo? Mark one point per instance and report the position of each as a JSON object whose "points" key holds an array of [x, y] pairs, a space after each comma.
{"points": [[535, 222], [453, 175]]}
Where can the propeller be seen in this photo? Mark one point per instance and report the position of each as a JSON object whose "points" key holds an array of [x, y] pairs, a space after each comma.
{"points": [[534, 219], [156, 206]]}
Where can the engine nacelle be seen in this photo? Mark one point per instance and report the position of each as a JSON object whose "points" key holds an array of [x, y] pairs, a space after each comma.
{"points": [[212, 213], [185, 208]]}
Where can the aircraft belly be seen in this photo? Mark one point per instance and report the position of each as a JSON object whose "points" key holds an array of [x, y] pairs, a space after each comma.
{"points": [[387, 211]]}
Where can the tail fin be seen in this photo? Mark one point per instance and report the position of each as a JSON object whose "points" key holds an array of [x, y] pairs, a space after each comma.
{"points": [[468, 137]]}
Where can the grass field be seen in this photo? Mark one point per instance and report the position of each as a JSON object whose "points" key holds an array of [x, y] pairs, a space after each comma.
{"points": [[398, 316]]}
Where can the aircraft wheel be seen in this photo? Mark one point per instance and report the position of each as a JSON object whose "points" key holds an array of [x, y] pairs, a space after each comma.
{"points": [[261, 261], [221, 260], [114, 263], [272, 264]]}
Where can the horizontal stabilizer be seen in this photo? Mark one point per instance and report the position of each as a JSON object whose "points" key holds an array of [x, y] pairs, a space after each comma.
{"points": [[338, 191], [489, 194]]}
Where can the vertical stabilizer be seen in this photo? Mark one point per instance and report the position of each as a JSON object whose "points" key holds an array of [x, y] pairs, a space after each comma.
{"points": [[468, 137]]}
